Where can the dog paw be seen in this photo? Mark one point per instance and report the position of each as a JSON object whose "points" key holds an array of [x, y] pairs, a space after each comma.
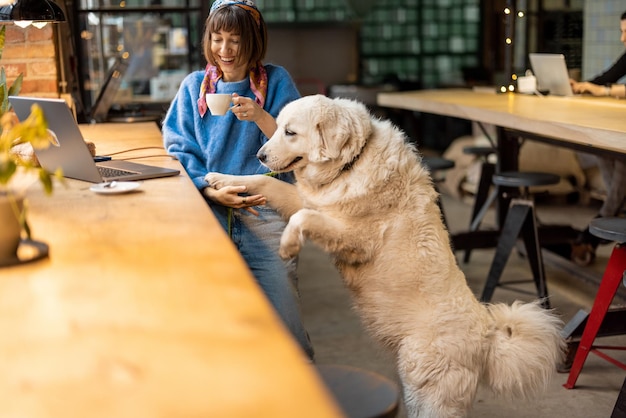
{"points": [[290, 242], [218, 180]]}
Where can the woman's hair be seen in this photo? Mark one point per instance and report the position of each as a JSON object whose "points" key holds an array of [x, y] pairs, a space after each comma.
{"points": [[623, 16], [232, 18]]}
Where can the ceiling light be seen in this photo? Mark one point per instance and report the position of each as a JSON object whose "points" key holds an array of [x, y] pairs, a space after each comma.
{"points": [[38, 12]]}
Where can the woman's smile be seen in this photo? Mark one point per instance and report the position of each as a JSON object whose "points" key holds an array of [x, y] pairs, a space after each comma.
{"points": [[225, 50]]}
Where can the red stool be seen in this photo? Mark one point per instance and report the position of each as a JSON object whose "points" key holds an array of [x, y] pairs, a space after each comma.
{"points": [[612, 229]]}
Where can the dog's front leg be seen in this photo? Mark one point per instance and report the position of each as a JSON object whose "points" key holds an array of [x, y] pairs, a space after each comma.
{"points": [[328, 233], [293, 237], [281, 196]]}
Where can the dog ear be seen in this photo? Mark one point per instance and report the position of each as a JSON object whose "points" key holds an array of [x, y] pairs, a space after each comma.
{"points": [[323, 117], [343, 127]]}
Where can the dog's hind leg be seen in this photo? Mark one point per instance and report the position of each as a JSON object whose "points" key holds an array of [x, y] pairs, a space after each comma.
{"points": [[433, 386], [432, 401]]}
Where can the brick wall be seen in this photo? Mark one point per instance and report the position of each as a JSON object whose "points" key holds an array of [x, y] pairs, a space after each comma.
{"points": [[32, 52]]}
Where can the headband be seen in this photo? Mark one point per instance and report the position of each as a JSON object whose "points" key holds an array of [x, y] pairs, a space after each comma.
{"points": [[247, 5]]}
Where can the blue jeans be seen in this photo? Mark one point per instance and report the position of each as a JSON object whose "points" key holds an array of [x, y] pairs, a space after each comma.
{"points": [[258, 240]]}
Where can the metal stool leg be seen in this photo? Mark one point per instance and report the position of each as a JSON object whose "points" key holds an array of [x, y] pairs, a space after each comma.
{"points": [[482, 200], [533, 253], [619, 410], [611, 280], [510, 231]]}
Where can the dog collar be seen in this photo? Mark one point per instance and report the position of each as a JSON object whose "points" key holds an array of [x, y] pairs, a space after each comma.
{"points": [[348, 166]]}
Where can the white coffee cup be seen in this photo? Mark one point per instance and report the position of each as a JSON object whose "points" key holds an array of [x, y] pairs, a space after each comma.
{"points": [[218, 103], [527, 84]]}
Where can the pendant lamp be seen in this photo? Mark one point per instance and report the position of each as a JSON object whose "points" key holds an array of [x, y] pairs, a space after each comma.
{"points": [[37, 12]]}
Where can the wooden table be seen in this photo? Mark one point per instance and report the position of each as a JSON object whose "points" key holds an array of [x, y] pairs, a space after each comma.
{"points": [[589, 124], [143, 309]]}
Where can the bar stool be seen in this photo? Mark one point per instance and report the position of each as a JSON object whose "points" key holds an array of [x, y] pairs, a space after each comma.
{"points": [[361, 393], [482, 199], [520, 219], [619, 409], [611, 229], [434, 165]]}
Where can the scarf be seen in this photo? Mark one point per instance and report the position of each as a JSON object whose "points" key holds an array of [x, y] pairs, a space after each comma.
{"points": [[258, 84]]}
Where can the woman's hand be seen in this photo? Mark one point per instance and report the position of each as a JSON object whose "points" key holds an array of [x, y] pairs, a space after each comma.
{"points": [[245, 108], [229, 196], [587, 87]]}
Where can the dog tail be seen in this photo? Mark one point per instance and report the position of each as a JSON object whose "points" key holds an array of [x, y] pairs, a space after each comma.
{"points": [[525, 349]]}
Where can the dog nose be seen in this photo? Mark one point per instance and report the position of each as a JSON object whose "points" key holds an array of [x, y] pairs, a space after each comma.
{"points": [[261, 156]]}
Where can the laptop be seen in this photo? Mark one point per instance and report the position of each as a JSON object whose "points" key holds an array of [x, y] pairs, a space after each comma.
{"points": [[111, 85], [69, 150], [551, 73], [100, 112]]}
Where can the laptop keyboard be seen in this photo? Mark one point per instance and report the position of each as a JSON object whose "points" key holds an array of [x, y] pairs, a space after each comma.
{"points": [[108, 172]]}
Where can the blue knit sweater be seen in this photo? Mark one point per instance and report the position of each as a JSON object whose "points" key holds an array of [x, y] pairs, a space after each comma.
{"points": [[221, 144]]}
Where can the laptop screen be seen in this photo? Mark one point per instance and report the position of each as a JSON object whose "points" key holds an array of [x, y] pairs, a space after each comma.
{"points": [[111, 85], [551, 73]]}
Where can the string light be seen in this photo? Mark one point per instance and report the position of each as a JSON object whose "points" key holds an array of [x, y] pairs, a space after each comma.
{"points": [[508, 42], [509, 34]]}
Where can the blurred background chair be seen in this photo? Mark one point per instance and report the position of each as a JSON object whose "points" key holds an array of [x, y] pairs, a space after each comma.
{"points": [[361, 393], [520, 220]]}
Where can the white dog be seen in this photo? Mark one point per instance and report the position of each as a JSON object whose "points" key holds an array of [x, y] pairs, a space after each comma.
{"points": [[362, 195]]}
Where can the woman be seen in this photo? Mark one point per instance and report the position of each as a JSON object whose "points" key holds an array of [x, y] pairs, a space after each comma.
{"points": [[613, 170], [604, 84], [235, 42]]}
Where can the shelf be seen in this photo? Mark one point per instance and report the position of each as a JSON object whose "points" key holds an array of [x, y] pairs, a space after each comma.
{"points": [[151, 9], [160, 43]]}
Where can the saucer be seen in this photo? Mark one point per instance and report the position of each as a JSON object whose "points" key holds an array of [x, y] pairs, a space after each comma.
{"points": [[115, 187], [28, 251]]}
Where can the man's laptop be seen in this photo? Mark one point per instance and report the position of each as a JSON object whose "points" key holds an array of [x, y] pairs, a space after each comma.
{"points": [[70, 151], [551, 73]]}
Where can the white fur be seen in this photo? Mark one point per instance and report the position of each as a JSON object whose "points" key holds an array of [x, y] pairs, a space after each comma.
{"points": [[363, 196]]}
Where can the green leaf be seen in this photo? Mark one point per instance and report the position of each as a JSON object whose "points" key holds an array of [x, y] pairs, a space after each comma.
{"points": [[2, 35], [4, 96], [15, 88], [46, 181], [7, 169]]}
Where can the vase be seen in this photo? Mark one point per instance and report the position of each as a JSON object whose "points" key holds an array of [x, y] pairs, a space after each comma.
{"points": [[11, 207]]}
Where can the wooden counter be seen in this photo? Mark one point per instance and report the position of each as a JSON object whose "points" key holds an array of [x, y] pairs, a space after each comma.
{"points": [[586, 123], [144, 308], [583, 123]]}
